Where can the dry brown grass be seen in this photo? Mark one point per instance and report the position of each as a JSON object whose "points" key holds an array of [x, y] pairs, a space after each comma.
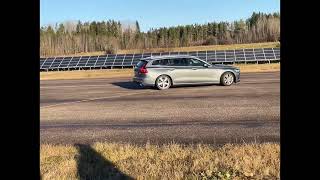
{"points": [[185, 49], [85, 74], [172, 161], [244, 68], [111, 73]]}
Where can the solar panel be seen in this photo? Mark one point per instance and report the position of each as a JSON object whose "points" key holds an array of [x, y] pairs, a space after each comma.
{"points": [[121, 60], [270, 57], [92, 61], [202, 55], [65, 62], [164, 53], [184, 53], [74, 61], [155, 54], [41, 63], [193, 53], [211, 56], [268, 51], [128, 59], [136, 58], [146, 55], [83, 61], [100, 61], [110, 59]]}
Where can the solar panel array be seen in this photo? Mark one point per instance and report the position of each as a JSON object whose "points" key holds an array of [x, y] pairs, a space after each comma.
{"points": [[129, 60]]}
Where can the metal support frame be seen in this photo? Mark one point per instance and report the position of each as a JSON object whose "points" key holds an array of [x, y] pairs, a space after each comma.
{"points": [[235, 57], [114, 61], [215, 55], [87, 62], [245, 58], [206, 56], [123, 60], [254, 55], [274, 54], [69, 62], [60, 63], [78, 62], [96, 61], [43, 63], [132, 59], [52, 62], [104, 64], [264, 55]]}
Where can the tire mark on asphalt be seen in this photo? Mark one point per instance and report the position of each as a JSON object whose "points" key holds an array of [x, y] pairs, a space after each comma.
{"points": [[137, 125], [92, 99]]}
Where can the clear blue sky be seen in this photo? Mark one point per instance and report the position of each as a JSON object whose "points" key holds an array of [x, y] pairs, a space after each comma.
{"points": [[153, 14]]}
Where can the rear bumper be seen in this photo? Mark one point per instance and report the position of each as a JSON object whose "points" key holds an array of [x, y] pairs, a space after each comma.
{"points": [[143, 81]]}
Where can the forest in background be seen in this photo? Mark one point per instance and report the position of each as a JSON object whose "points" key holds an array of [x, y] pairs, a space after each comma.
{"points": [[110, 36]]}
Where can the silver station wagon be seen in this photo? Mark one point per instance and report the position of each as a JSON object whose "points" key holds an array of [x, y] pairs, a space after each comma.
{"points": [[163, 72]]}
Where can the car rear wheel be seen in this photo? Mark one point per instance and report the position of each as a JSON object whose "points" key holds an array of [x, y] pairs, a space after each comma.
{"points": [[163, 82], [227, 79]]}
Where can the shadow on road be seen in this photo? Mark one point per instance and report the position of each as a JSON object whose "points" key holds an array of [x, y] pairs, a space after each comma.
{"points": [[91, 165], [135, 86], [128, 85]]}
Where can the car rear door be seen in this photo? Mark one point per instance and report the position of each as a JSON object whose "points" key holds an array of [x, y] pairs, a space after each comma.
{"points": [[180, 73]]}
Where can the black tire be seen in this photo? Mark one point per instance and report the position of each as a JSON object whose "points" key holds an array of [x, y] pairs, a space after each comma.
{"points": [[163, 82], [227, 79]]}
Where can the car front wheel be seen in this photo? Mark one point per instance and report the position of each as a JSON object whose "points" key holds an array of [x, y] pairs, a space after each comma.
{"points": [[227, 79]]}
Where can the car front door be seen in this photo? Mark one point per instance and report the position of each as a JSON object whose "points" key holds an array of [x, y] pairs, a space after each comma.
{"points": [[200, 73]]}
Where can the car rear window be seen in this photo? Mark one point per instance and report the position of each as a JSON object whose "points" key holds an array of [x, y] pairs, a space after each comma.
{"points": [[141, 63]]}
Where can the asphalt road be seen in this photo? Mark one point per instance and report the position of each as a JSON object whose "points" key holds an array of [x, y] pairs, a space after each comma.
{"points": [[116, 110]]}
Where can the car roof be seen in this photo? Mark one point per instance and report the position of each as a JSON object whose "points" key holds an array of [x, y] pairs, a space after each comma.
{"points": [[167, 57]]}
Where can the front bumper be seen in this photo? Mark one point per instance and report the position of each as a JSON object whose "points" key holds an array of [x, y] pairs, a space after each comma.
{"points": [[237, 77]]}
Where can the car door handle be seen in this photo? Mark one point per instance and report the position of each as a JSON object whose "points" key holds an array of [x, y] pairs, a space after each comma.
{"points": [[194, 68], [172, 69]]}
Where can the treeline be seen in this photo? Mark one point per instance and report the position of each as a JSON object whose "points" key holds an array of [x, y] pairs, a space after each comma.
{"points": [[111, 35]]}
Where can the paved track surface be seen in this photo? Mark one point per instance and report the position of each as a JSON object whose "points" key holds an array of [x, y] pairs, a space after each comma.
{"points": [[116, 110]]}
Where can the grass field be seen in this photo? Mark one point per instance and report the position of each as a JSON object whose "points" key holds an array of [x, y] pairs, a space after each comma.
{"points": [[172, 161], [112, 73], [184, 49]]}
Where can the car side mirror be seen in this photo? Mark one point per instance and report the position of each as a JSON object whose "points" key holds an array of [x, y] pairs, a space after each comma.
{"points": [[205, 65]]}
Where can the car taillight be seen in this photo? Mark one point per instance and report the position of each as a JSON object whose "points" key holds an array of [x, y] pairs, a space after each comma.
{"points": [[143, 69]]}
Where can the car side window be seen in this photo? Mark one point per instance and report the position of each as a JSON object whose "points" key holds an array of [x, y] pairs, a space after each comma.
{"points": [[167, 62], [178, 62], [157, 62], [195, 62], [163, 62]]}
